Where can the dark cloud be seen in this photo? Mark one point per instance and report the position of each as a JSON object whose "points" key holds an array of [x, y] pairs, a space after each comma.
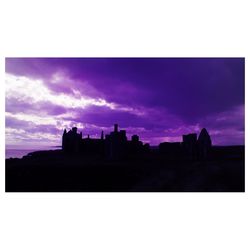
{"points": [[189, 87]]}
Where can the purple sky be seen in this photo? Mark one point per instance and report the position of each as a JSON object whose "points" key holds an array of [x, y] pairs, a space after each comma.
{"points": [[157, 98]]}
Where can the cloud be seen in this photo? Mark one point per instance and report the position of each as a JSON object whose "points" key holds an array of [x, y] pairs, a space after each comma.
{"points": [[32, 91], [227, 127], [160, 99], [15, 106]]}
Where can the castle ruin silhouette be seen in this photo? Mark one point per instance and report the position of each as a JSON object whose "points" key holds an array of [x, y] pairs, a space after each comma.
{"points": [[116, 145]]}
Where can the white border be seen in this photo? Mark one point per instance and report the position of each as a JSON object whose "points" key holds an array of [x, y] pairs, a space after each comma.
{"points": [[117, 220]]}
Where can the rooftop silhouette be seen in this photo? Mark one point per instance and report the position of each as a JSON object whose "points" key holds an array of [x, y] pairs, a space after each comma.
{"points": [[117, 146]]}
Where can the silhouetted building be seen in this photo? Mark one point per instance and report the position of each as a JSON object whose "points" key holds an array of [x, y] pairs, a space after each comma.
{"points": [[92, 146], [71, 140], [135, 146], [116, 128], [204, 144], [135, 138], [173, 150], [114, 146], [189, 144], [117, 146], [197, 149]]}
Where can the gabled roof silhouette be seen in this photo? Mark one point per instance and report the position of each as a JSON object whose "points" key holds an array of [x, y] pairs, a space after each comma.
{"points": [[203, 134]]}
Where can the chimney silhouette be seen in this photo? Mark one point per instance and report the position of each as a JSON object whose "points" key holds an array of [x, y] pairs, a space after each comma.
{"points": [[116, 128], [102, 136]]}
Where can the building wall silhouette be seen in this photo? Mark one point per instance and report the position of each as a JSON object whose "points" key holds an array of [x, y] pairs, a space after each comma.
{"points": [[114, 146], [71, 140], [204, 144], [189, 143], [190, 148], [117, 146]]}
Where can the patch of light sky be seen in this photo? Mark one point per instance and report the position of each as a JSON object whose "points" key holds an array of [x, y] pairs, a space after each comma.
{"points": [[32, 91]]}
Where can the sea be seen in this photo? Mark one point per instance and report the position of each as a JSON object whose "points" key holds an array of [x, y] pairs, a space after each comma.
{"points": [[19, 153]]}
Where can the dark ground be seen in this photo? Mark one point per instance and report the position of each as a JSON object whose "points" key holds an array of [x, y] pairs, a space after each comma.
{"points": [[54, 171]]}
